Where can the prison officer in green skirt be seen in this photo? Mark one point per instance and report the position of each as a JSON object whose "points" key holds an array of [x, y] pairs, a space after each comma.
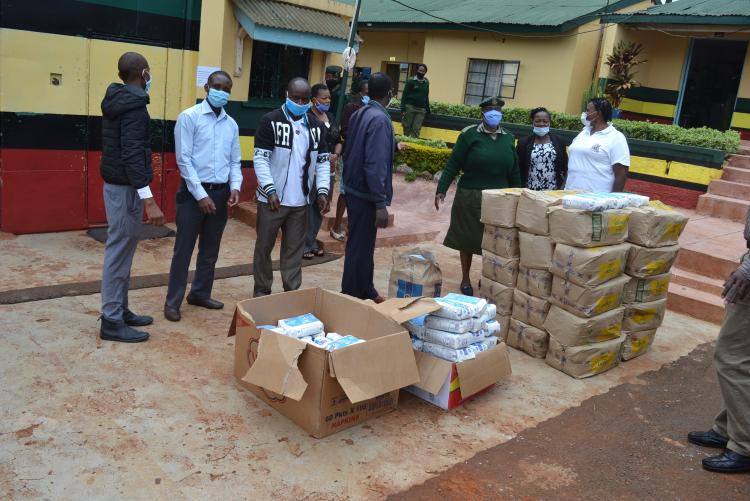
{"points": [[485, 156]]}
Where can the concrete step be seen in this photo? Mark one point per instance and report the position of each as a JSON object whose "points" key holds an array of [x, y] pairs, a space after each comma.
{"points": [[705, 265], [737, 175], [744, 148], [713, 286], [729, 189], [695, 303], [739, 161], [723, 207]]}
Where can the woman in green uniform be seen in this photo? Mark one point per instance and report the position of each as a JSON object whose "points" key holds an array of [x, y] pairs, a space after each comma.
{"points": [[485, 156]]}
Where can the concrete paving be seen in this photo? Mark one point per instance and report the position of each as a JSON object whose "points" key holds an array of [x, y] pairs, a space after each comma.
{"points": [[85, 419]]}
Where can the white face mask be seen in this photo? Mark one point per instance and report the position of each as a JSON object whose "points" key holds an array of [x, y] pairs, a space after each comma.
{"points": [[584, 119]]}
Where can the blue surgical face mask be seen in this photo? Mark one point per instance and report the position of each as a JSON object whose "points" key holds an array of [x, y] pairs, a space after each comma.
{"points": [[541, 131], [295, 109], [217, 98], [365, 99], [323, 107], [148, 81], [493, 118]]}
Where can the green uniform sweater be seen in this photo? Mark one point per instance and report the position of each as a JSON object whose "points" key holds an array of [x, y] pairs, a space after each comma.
{"points": [[486, 163], [416, 93]]}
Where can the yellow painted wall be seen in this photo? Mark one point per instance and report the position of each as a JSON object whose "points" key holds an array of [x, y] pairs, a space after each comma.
{"points": [[381, 46], [586, 45]]}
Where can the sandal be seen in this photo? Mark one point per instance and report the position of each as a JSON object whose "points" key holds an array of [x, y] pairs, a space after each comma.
{"points": [[308, 255], [320, 253], [338, 236]]}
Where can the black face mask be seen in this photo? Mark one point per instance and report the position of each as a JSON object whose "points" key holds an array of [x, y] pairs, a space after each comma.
{"points": [[332, 83]]}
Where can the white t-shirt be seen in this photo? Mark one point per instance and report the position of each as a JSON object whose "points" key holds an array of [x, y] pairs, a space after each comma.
{"points": [[293, 194], [591, 157]]}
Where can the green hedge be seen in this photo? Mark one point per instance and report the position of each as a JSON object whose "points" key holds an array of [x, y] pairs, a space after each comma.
{"points": [[728, 141], [423, 158]]}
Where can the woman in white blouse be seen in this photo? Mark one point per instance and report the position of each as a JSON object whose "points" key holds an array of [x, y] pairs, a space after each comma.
{"points": [[599, 156]]}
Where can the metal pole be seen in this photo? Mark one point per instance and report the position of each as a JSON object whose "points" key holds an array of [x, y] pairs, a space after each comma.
{"points": [[345, 76]]}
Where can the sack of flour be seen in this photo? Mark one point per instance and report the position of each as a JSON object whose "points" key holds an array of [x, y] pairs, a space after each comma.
{"points": [[582, 228], [498, 294], [527, 339], [492, 328], [415, 273], [536, 251], [499, 207], [500, 241], [644, 316], [646, 290], [452, 340], [636, 343], [500, 269], [656, 225], [448, 354], [585, 301], [585, 360], [529, 309], [301, 325], [531, 215], [589, 267], [453, 325], [647, 262], [417, 344], [572, 330], [537, 283], [459, 307], [416, 326]]}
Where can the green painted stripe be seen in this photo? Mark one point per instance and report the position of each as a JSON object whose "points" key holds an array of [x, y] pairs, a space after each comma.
{"points": [[184, 9], [651, 94]]}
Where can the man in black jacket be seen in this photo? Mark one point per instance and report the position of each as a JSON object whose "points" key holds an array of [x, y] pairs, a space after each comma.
{"points": [[126, 170]]}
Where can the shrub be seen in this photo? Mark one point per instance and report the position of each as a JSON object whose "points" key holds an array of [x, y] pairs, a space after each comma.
{"points": [[423, 158], [434, 143]]}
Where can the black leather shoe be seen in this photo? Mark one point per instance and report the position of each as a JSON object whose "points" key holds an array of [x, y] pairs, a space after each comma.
{"points": [[707, 439], [134, 320], [729, 462], [467, 290], [172, 314], [119, 331], [211, 304]]}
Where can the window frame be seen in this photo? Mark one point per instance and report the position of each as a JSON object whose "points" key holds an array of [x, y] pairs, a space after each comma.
{"points": [[502, 73]]}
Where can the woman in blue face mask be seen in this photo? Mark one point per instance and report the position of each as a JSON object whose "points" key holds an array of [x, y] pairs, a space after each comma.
{"points": [[541, 155], [485, 156], [321, 109]]}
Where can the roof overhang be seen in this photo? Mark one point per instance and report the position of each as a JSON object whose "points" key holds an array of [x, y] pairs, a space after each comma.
{"points": [[676, 19]]}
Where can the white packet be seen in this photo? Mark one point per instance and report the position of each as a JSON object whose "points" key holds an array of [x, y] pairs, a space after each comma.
{"points": [[416, 326], [343, 342], [492, 328], [417, 344], [451, 325], [320, 341], [451, 340], [301, 325], [459, 307], [448, 354], [488, 313], [333, 336]]}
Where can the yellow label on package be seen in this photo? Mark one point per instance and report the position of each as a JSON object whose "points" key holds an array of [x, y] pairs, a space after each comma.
{"points": [[606, 303], [656, 267], [673, 230], [639, 344], [618, 224], [643, 316], [602, 362], [659, 287], [658, 204], [609, 270], [608, 333], [512, 190]]}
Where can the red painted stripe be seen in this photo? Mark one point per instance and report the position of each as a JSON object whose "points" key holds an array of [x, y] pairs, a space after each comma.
{"points": [[672, 195]]}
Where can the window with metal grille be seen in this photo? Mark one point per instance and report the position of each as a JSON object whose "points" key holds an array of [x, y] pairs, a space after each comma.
{"points": [[272, 67], [488, 78]]}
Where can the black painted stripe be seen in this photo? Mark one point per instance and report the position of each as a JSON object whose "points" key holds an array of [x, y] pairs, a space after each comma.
{"points": [[743, 105], [69, 17], [669, 182]]}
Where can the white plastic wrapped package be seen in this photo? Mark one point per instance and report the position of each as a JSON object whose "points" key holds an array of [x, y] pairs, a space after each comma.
{"points": [[459, 307], [417, 344], [594, 201], [273, 328], [448, 354], [492, 328], [488, 313], [301, 325], [452, 325], [319, 341], [415, 326], [451, 340], [333, 336], [344, 342], [634, 200], [489, 342]]}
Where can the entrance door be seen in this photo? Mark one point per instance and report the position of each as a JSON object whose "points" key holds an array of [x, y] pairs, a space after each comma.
{"points": [[399, 73], [710, 88], [103, 56]]}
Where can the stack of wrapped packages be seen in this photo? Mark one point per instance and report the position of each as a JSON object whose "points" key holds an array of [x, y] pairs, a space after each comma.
{"points": [[310, 329], [500, 252], [463, 327], [590, 257], [654, 231]]}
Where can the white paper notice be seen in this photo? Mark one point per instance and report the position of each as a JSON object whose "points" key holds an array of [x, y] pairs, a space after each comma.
{"points": [[202, 74]]}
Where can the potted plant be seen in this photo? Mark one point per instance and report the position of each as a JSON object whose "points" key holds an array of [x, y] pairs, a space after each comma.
{"points": [[622, 62]]}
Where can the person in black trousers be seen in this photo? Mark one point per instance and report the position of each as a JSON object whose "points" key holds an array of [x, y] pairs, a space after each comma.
{"points": [[542, 157]]}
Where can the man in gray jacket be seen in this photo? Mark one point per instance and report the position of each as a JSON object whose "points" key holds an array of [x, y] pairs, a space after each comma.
{"points": [[731, 430], [290, 153]]}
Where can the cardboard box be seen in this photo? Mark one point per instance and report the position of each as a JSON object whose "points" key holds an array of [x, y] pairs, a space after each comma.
{"points": [[647, 262], [589, 267], [532, 213], [644, 316], [448, 385], [498, 294], [500, 241], [584, 361], [536, 251], [529, 309], [499, 207], [646, 290], [528, 339], [582, 228], [572, 330], [500, 269], [636, 343], [588, 301], [656, 225], [325, 392], [537, 283]]}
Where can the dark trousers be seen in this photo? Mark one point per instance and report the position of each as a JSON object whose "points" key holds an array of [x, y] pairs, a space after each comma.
{"points": [[359, 263], [292, 221], [207, 229]]}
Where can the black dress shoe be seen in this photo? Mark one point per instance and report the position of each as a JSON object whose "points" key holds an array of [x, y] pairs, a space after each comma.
{"points": [[172, 314], [211, 304], [134, 320], [729, 462], [467, 290], [118, 331], [707, 439]]}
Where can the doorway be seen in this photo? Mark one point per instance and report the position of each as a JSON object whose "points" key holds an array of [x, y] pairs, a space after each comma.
{"points": [[399, 73], [711, 83]]}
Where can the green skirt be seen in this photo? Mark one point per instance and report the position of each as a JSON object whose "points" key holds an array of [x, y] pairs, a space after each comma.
{"points": [[465, 231]]}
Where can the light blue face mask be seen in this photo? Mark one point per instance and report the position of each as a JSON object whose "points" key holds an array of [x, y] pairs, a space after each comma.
{"points": [[217, 98], [493, 118], [541, 131], [148, 82], [295, 109], [365, 100], [323, 107]]}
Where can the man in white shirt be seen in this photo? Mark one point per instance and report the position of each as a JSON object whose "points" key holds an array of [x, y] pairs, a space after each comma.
{"points": [[207, 147]]}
